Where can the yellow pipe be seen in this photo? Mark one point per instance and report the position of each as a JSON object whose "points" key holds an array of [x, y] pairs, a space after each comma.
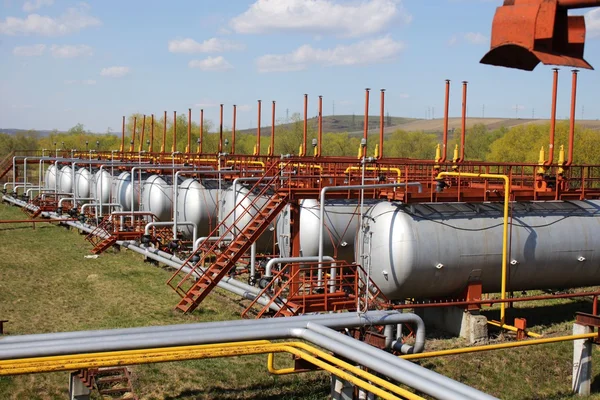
{"points": [[355, 370], [129, 357], [389, 169], [499, 346], [504, 228], [262, 164], [513, 328]]}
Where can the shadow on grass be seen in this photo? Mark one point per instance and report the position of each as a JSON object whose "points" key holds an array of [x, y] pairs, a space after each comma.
{"points": [[266, 391], [543, 315], [26, 226]]}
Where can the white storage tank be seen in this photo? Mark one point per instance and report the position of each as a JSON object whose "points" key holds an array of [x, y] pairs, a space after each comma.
{"points": [[240, 202], [122, 191], [50, 178], [197, 202], [83, 181], [341, 226], [102, 186], [65, 180], [157, 197], [434, 249]]}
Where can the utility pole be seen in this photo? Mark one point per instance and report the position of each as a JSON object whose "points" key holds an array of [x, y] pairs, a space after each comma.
{"points": [[483, 111], [333, 107]]}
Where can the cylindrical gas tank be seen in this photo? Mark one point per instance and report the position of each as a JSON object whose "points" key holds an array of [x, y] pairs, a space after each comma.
{"points": [[102, 186], [65, 180], [197, 202], [50, 177], [240, 202], [122, 191], [433, 250], [83, 180], [157, 197], [341, 226]]}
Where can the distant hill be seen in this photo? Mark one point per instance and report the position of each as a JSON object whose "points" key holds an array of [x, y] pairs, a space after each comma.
{"points": [[42, 133], [353, 124]]}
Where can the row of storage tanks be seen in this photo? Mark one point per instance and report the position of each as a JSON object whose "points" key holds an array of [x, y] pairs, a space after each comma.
{"points": [[411, 250]]}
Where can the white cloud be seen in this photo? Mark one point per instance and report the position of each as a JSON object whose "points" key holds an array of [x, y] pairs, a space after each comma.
{"points": [[212, 45], [364, 52], [244, 108], [30, 6], [29, 51], [71, 51], [73, 20], [206, 104], [476, 38], [592, 23], [404, 95], [211, 64], [115, 72], [320, 17], [80, 82], [453, 40], [518, 107]]}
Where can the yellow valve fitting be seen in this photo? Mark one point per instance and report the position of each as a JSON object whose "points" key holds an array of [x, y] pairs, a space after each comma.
{"points": [[542, 161], [376, 152]]}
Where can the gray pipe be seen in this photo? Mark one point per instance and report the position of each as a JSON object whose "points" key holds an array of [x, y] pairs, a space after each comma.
{"points": [[180, 335], [173, 223], [413, 375]]}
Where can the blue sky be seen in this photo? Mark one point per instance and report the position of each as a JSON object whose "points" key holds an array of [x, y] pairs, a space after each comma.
{"points": [[66, 62]]}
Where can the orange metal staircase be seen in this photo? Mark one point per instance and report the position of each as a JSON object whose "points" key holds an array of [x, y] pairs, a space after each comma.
{"points": [[102, 237], [6, 164], [300, 289], [113, 382], [206, 280]]}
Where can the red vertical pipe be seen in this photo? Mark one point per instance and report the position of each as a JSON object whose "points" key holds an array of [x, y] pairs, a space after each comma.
{"points": [[164, 137], [258, 129], [141, 146], [233, 130], [463, 123], [320, 133], [572, 119], [445, 134], [189, 132], [366, 127], [221, 128], [174, 147], [123, 136], [201, 131], [151, 147], [272, 147], [133, 135], [381, 122], [305, 128], [553, 117]]}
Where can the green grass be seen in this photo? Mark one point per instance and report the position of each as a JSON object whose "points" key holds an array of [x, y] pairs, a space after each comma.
{"points": [[46, 285]]}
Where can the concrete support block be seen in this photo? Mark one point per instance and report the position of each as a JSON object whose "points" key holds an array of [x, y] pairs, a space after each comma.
{"points": [[456, 321], [77, 390], [341, 389], [582, 361]]}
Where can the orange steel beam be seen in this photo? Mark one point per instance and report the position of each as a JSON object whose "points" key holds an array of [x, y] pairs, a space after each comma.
{"points": [[151, 147], [258, 130], [381, 123], [305, 127], [272, 146], [445, 133], [132, 143], [122, 149], [233, 130], [220, 128], [174, 146], [366, 123], [164, 137], [189, 132], [201, 131], [141, 146], [552, 118], [320, 133], [572, 119], [463, 123]]}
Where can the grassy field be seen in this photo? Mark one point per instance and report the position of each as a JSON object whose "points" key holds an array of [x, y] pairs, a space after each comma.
{"points": [[46, 285]]}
